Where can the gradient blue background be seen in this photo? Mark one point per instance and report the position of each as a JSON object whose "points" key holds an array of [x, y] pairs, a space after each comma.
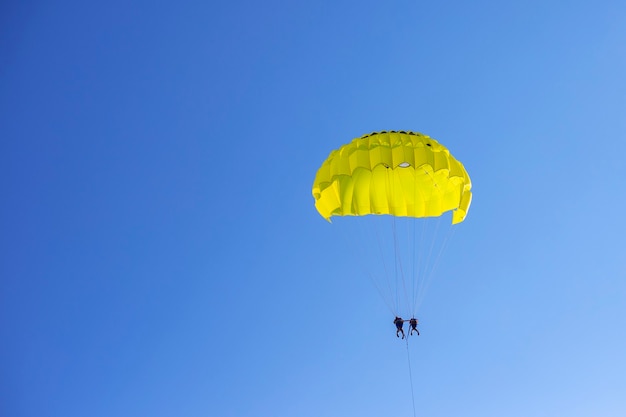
{"points": [[160, 253]]}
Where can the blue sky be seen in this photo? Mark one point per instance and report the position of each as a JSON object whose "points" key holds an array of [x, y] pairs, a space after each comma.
{"points": [[161, 253]]}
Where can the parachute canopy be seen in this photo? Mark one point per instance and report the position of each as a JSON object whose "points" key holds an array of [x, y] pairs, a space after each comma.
{"points": [[392, 172]]}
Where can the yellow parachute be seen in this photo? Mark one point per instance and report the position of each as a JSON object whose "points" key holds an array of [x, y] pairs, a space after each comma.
{"points": [[392, 172], [412, 179]]}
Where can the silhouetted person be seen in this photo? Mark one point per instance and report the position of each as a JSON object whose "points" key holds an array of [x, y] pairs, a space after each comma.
{"points": [[399, 323]]}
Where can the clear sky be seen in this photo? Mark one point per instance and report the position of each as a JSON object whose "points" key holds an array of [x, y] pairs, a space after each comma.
{"points": [[160, 253]]}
